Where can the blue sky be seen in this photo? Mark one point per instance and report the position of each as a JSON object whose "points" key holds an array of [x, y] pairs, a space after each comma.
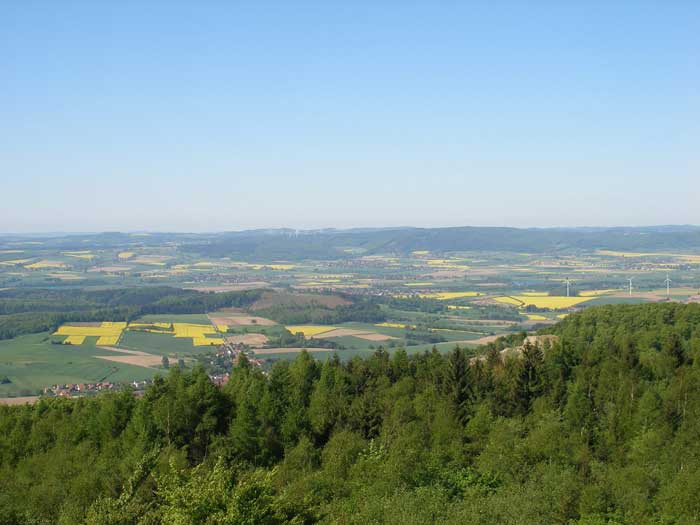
{"points": [[208, 116]]}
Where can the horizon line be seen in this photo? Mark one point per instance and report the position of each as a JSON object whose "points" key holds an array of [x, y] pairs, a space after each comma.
{"points": [[38, 233]]}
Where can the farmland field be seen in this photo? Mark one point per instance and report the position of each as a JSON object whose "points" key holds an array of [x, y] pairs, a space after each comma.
{"points": [[160, 344], [33, 362], [348, 300], [176, 318], [542, 301]]}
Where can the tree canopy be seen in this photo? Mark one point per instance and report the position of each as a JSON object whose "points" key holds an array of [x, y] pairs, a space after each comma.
{"points": [[596, 426]]}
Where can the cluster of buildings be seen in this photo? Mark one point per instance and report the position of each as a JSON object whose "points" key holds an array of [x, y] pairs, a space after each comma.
{"points": [[228, 353], [81, 389], [228, 356], [234, 352], [72, 390]]}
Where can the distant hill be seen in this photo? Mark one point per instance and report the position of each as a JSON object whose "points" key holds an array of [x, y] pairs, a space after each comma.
{"points": [[288, 244], [338, 243]]}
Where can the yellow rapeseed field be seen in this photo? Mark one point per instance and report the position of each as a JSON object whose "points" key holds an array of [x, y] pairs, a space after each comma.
{"points": [[108, 333], [447, 264], [107, 340], [207, 341], [85, 254], [509, 300], [596, 293], [196, 332], [280, 266], [691, 258], [310, 330], [15, 262], [45, 264], [543, 301], [191, 331], [536, 317], [149, 260], [438, 262], [126, 255], [395, 325]]}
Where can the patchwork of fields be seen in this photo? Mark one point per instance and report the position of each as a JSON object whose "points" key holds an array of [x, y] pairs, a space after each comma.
{"points": [[418, 300]]}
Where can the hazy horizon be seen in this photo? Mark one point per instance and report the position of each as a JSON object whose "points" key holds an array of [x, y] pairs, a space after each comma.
{"points": [[350, 228], [173, 117]]}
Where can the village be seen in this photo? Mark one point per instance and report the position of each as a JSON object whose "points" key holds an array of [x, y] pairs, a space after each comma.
{"points": [[220, 364]]}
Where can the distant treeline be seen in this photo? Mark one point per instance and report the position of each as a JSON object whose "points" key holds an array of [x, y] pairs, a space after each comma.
{"points": [[25, 311], [335, 244], [598, 427], [290, 245], [362, 311], [271, 245]]}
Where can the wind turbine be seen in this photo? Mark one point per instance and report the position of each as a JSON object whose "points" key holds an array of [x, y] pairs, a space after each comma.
{"points": [[567, 286], [668, 287], [630, 280]]}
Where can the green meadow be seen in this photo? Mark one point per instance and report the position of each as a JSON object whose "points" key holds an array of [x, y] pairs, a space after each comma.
{"points": [[32, 362]]}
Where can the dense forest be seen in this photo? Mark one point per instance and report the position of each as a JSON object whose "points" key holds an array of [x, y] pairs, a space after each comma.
{"points": [[600, 426], [362, 310]]}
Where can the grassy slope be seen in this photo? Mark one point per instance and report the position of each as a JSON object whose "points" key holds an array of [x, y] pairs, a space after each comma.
{"points": [[160, 344], [598, 301], [176, 318]]}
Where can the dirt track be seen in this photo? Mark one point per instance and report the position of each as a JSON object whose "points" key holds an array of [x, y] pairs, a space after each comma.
{"points": [[375, 337], [247, 339], [147, 361], [123, 351], [133, 357], [239, 320], [238, 287]]}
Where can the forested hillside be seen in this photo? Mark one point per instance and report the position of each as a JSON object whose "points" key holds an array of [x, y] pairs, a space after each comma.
{"points": [[286, 244], [600, 427]]}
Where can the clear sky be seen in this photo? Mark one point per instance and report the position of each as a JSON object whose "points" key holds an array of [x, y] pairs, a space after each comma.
{"points": [[217, 115]]}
